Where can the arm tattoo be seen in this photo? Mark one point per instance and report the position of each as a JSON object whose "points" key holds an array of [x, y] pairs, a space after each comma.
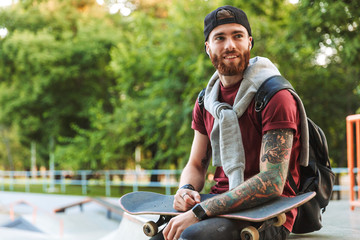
{"points": [[276, 145], [253, 192], [275, 156]]}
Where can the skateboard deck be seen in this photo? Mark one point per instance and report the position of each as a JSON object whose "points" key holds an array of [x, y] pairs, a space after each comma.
{"points": [[270, 213], [140, 203]]}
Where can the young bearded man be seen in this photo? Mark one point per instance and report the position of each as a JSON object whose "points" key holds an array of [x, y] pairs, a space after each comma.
{"points": [[253, 158]]}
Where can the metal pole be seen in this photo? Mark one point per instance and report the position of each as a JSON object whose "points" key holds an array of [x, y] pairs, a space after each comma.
{"points": [[52, 164], [33, 159], [83, 182], [11, 187], [27, 181], [107, 184], [63, 185], [167, 182]]}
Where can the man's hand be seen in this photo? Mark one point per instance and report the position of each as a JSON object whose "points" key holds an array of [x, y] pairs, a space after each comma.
{"points": [[185, 199], [178, 224]]}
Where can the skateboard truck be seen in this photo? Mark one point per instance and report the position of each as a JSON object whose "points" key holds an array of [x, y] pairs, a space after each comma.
{"points": [[251, 233], [151, 228]]}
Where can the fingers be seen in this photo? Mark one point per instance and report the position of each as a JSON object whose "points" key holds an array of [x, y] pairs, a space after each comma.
{"points": [[196, 196], [185, 199], [170, 231], [166, 231], [183, 202], [178, 224]]}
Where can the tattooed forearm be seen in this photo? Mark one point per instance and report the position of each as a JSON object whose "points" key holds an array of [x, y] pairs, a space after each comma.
{"points": [[275, 155], [253, 192]]}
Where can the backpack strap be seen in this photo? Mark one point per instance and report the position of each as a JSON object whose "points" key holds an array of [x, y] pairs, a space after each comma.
{"points": [[268, 89], [201, 97], [265, 92]]}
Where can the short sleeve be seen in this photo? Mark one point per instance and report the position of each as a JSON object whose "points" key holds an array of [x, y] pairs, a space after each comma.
{"points": [[198, 123], [280, 112]]}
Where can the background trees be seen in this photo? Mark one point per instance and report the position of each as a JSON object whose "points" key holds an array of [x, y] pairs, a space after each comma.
{"points": [[54, 69], [102, 85]]}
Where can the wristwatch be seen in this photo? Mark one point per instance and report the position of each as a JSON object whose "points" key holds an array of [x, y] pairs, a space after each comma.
{"points": [[199, 212], [188, 186]]}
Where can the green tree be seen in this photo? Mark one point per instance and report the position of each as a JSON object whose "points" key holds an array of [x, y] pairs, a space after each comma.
{"points": [[329, 88], [153, 65], [54, 67]]}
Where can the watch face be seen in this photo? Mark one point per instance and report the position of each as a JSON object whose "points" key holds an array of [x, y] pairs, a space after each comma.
{"points": [[199, 212]]}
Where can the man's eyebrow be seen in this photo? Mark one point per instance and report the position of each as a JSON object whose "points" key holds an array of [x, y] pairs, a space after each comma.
{"points": [[234, 32], [238, 31], [219, 34]]}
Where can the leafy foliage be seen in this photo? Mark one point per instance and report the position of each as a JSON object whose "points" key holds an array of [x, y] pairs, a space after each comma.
{"points": [[51, 73], [105, 85]]}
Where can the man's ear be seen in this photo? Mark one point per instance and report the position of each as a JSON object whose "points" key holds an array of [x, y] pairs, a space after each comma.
{"points": [[207, 48], [250, 41]]}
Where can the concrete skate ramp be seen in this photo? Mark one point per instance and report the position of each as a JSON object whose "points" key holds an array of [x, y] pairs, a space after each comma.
{"points": [[21, 224]]}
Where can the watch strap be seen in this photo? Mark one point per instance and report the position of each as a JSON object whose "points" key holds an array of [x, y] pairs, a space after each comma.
{"points": [[188, 186]]}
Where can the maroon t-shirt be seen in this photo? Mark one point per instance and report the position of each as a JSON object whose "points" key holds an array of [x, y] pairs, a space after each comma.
{"points": [[280, 112]]}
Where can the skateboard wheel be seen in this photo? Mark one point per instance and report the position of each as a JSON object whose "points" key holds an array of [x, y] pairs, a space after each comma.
{"points": [[249, 233], [150, 229], [281, 219]]}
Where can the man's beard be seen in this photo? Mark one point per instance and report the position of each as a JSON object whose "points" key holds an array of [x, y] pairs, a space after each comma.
{"points": [[231, 69]]}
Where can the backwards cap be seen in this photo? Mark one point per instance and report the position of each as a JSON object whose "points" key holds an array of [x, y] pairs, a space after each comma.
{"points": [[239, 17]]}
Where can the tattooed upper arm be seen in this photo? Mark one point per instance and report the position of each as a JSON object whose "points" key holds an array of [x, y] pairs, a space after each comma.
{"points": [[276, 150]]}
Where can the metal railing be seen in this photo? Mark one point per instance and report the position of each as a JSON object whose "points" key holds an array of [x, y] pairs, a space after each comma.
{"points": [[86, 178]]}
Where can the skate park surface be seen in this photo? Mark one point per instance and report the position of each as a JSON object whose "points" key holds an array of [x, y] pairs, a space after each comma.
{"points": [[19, 220]]}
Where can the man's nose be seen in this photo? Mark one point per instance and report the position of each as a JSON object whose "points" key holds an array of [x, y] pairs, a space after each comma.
{"points": [[230, 44]]}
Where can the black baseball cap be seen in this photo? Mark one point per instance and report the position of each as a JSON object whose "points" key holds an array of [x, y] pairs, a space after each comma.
{"points": [[239, 17]]}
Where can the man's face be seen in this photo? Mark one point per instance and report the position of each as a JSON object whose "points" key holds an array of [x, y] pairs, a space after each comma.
{"points": [[229, 48]]}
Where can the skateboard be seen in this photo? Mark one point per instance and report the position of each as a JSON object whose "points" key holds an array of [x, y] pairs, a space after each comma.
{"points": [[270, 213]]}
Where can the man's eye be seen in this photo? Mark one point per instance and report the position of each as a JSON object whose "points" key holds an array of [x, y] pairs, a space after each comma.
{"points": [[219, 38], [238, 36]]}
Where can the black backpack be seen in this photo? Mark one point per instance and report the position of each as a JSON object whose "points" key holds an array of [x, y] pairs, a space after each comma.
{"points": [[317, 176]]}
